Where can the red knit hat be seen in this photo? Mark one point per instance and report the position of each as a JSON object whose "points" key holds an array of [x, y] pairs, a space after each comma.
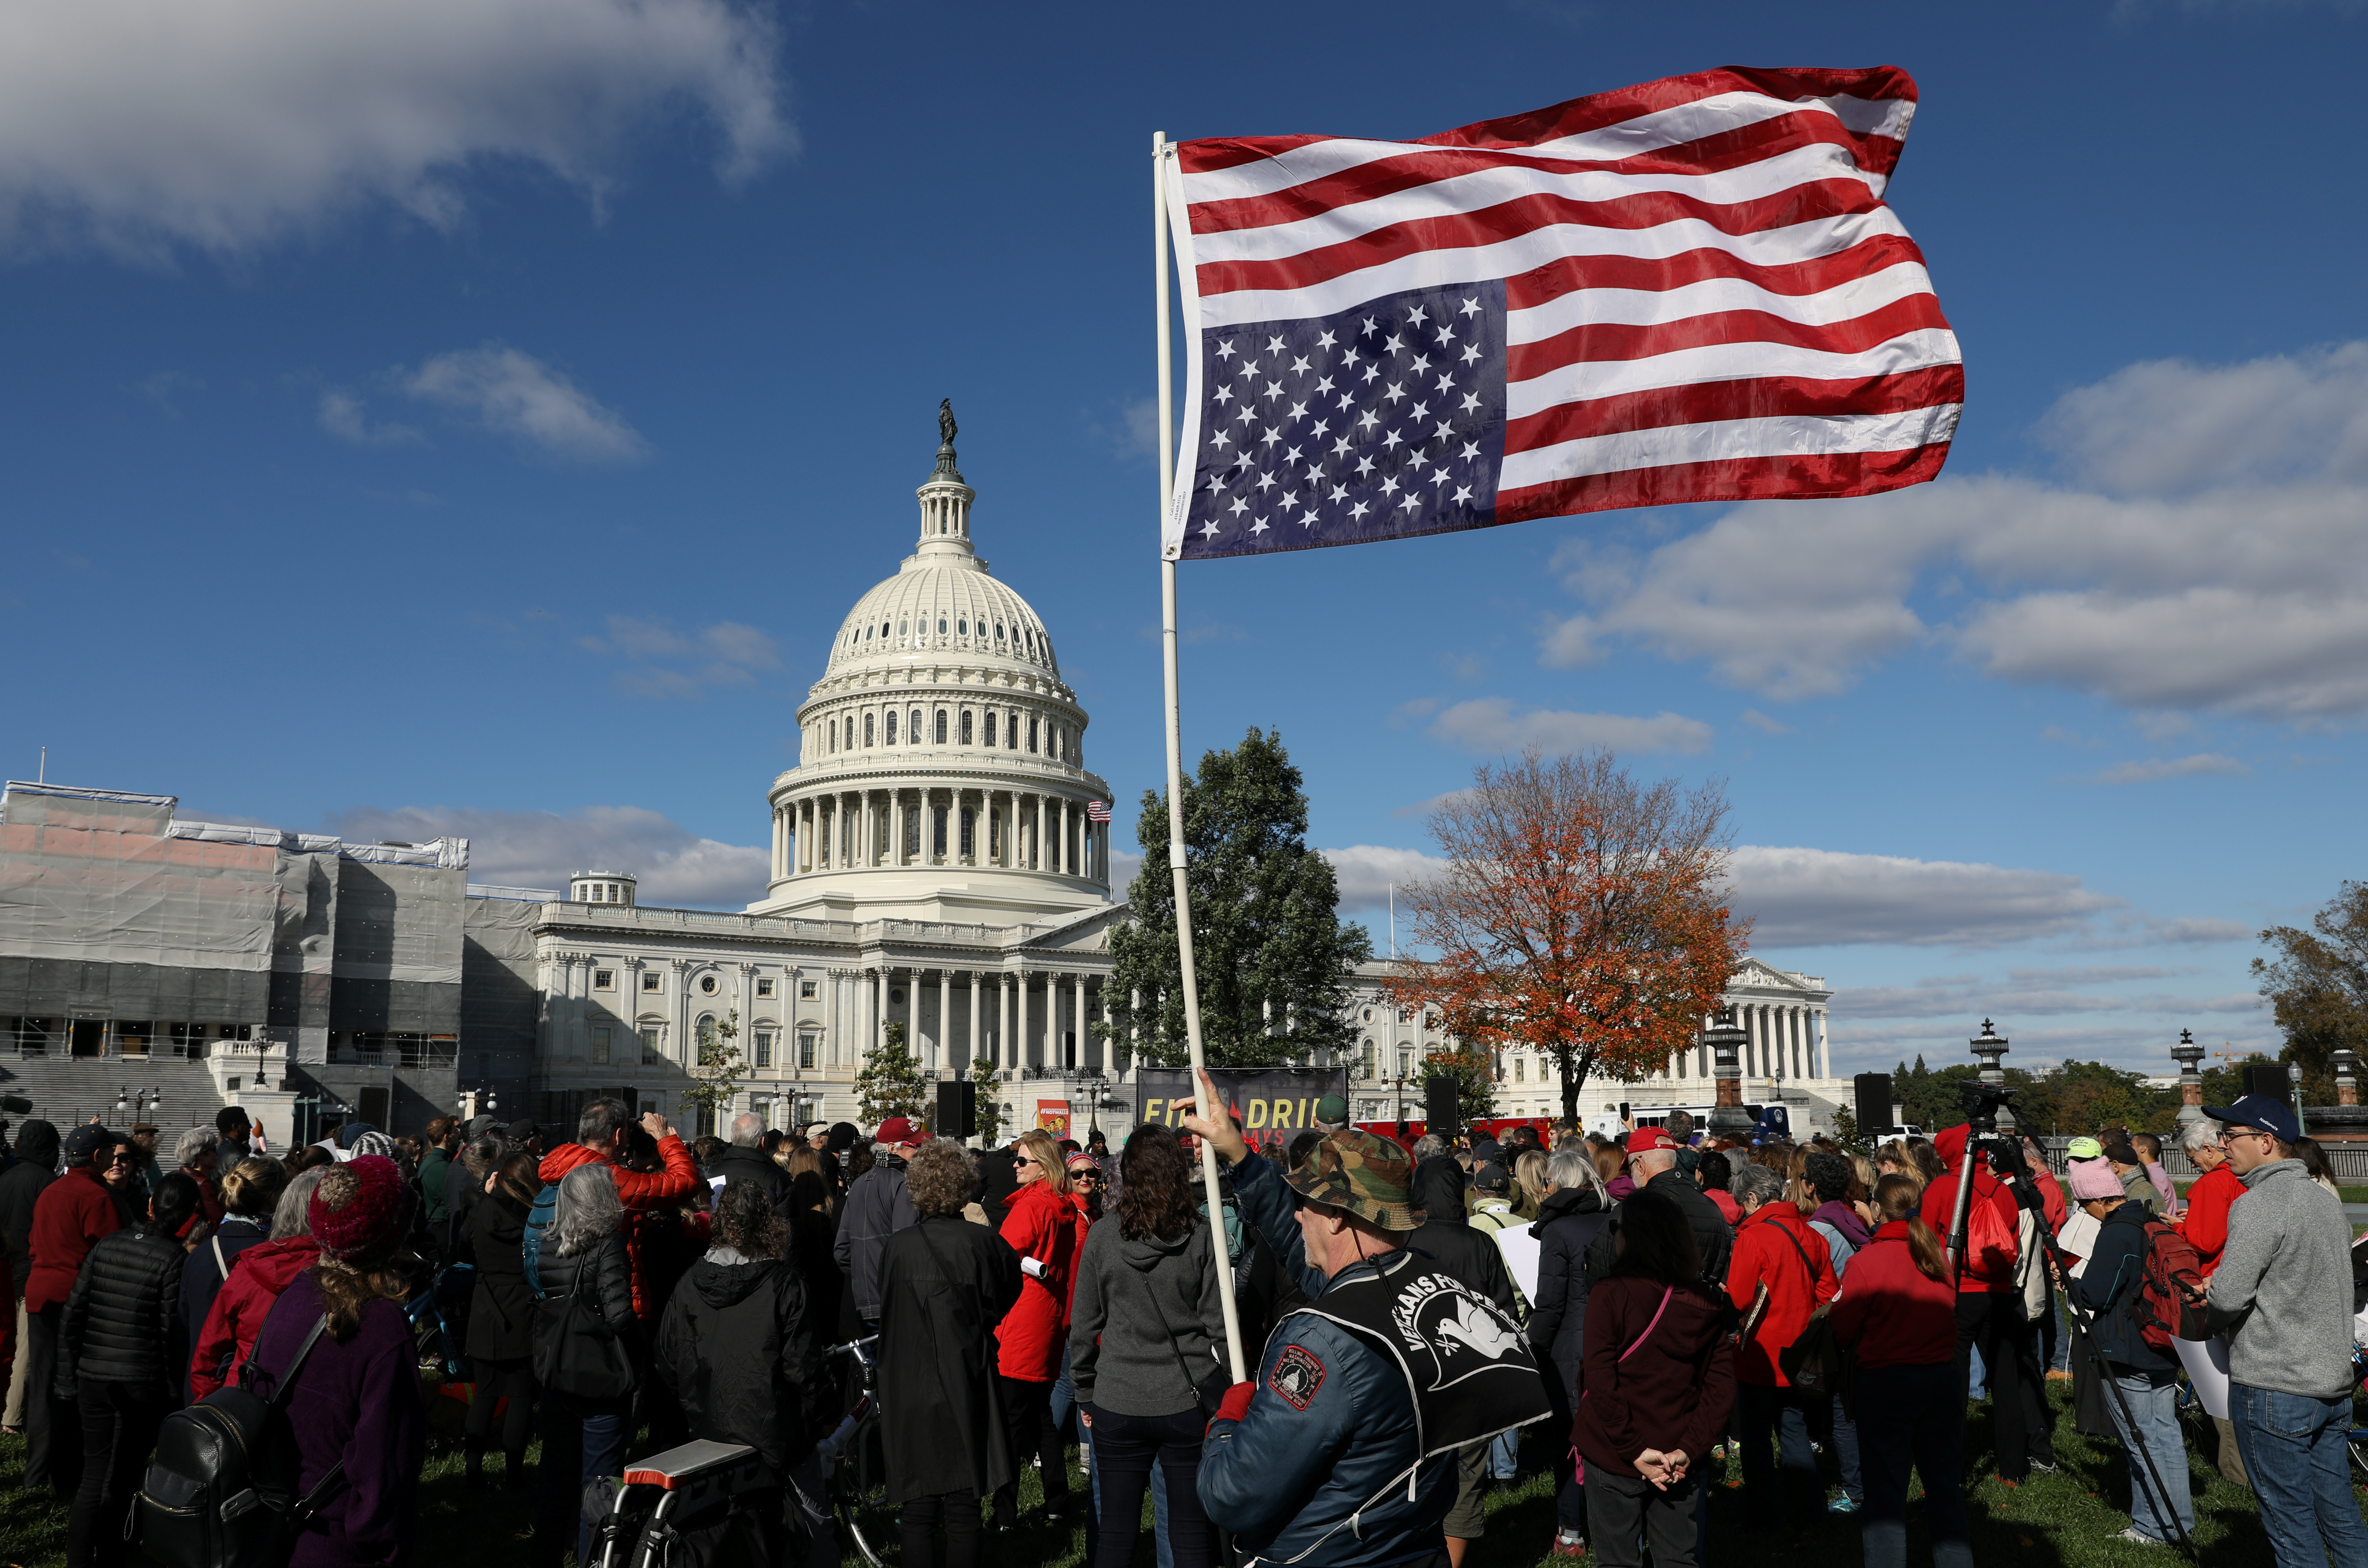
{"points": [[360, 1207]]}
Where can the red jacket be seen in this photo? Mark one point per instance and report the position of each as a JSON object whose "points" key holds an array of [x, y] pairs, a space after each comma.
{"points": [[1990, 1268], [2208, 1202], [256, 1277], [1042, 1224], [1762, 1253], [2051, 1197], [1080, 1223], [1890, 1311], [69, 1217], [635, 1189], [1724, 1201]]}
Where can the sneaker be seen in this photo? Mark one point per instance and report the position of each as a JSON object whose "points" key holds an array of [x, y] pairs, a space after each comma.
{"points": [[2138, 1537], [1568, 1545], [2045, 1467], [1842, 1506]]}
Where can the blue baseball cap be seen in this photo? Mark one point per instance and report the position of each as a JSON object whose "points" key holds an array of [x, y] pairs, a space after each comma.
{"points": [[2274, 1117]]}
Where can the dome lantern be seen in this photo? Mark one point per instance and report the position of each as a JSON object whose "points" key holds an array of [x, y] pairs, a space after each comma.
{"points": [[945, 499]]}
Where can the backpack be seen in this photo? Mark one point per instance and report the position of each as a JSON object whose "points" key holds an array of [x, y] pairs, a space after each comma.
{"points": [[221, 1492], [538, 1220], [2158, 1309]]}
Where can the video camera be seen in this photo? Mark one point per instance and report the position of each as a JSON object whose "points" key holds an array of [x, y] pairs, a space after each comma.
{"points": [[1980, 1102]]}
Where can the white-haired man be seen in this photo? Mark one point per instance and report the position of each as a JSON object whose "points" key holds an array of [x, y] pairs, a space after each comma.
{"points": [[744, 1160]]}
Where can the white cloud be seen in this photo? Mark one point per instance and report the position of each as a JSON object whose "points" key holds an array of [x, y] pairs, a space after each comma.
{"points": [[518, 395], [342, 416], [2152, 768], [1764, 724], [726, 654], [543, 849], [1365, 872], [1489, 724], [2208, 558], [1800, 898], [134, 127]]}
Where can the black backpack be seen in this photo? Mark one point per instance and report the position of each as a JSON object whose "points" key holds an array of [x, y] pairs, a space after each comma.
{"points": [[221, 1492]]}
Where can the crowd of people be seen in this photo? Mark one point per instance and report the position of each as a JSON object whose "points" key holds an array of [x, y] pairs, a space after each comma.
{"points": [[1633, 1315]]}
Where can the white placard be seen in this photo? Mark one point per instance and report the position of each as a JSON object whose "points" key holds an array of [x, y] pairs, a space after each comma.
{"points": [[2207, 1368], [1520, 1250]]}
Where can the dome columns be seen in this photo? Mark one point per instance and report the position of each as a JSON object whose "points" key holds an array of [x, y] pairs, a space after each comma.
{"points": [[904, 826]]}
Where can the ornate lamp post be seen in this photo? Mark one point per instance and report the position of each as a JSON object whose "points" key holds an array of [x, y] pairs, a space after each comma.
{"points": [[1989, 1046], [1725, 1036], [2190, 1057]]}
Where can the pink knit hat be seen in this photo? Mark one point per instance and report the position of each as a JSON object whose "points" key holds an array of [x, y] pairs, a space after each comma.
{"points": [[2092, 1179], [360, 1207]]}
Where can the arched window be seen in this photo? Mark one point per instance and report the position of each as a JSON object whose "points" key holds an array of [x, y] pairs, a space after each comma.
{"points": [[965, 726], [916, 731], [938, 731], [706, 1039], [998, 632], [867, 731], [962, 627], [1032, 735], [892, 726], [833, 742], [990, 727], [941, 626]]}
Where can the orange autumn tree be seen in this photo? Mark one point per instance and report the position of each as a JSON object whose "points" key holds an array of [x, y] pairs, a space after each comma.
{"points": [[1579, 913]]}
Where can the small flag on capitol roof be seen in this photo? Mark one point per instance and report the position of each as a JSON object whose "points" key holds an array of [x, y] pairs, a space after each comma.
{"points": [[1686, 290], [1097, 811]]}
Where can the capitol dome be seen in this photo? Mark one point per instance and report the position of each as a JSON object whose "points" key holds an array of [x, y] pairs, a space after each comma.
{"points": [[940, 766]]}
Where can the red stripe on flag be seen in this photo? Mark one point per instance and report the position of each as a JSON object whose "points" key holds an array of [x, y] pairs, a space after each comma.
{"points": [[1811, 476], [1655, 274], [1598, 342], [1701, 403], [1598, 110]]}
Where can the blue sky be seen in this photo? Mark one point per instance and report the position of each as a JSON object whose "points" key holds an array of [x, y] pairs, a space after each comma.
{"points": [[477, 414]]}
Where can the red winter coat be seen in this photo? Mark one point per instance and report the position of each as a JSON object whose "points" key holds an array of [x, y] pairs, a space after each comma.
{"points": [[1763, 1254], [69, 1217], [1990, 1268], [1080, 1223], [256, 1277], [2206, 1223], [1892, 1313], [635, 1189], [1042, 1224]]}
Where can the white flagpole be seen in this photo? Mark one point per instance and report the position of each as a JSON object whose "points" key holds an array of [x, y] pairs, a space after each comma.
{"points": [[1176, 863]]}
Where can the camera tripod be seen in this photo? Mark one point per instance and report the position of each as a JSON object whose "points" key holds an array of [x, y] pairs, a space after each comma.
{"points": [[2005, 1152]]}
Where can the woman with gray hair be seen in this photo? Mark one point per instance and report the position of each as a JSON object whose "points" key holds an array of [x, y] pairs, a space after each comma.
{"points": [[194, 1152], [255, 1278], [1574, 1211], [585, 1315]]}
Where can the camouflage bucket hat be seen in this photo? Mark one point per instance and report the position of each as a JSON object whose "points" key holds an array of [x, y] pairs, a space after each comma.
{"points": [[1360, 1173]]}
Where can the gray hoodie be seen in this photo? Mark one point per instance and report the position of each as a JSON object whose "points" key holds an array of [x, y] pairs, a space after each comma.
{"points": [[2284, 1285], [1130, 1297]]}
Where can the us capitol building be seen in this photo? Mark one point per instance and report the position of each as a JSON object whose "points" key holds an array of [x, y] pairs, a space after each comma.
{"points": [[935, 863]]}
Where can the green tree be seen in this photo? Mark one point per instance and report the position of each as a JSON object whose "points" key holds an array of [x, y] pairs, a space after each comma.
{"points": [[1473, 1076], [717, 1074], [1929, 1097], [1272, 955], [1846, 1132], [2075, 1098], [990, 1108], [2317, 985], [891, 1083]]}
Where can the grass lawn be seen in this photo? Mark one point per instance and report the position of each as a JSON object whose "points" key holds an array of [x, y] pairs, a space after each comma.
{"points": [[2060, 1521]]}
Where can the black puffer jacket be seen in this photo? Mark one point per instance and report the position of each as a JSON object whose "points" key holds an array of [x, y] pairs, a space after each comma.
{"points": [[739, 1162], [21, 1185], [123, 1323], [738, 1348], [1567, 1224], [607, 1272], [501, 1307]]}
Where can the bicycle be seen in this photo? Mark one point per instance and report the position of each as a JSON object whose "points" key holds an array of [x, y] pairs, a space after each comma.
{"points": [[858, 1481]]}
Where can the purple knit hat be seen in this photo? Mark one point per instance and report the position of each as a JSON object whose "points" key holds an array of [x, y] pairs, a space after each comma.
{"points": [[360, 1207]]}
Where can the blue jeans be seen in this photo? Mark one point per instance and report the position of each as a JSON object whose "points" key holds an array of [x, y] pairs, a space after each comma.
{"points": [[581, 1443], [1845, 1433], [1978, 1374], [1912, 1416], [1505, 1455], [2296, 1455], [1781, 1416], [1162, 1547], [2153, 1399]]}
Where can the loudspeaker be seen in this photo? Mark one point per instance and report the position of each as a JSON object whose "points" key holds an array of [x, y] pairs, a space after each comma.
{"points": [[1438, 1100], [2268, 1078], [1873, 1112], [957, 1108]]}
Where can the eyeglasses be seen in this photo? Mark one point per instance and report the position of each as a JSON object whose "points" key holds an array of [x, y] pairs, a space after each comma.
{"points": [[1086, 1177], [2228, 1132]]}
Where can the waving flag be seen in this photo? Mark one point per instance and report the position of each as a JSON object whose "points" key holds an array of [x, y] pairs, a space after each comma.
{"points": [[1686, 291]]}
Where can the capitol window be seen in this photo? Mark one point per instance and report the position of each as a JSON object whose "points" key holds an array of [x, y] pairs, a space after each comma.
{"points": [[1032, 735], [965, 726], [962, 628], [998, 632], [603, 979], [941, 626], [902, 627], [867, 729], [939, 732], [990, 727], [707, 985], [916, 731], [764, 988], [764, 1048], [892, 726], [650, 980]]}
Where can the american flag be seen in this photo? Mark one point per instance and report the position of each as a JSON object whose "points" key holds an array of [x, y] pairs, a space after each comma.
{"points": [[1097, 811], [1686, 291]]}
